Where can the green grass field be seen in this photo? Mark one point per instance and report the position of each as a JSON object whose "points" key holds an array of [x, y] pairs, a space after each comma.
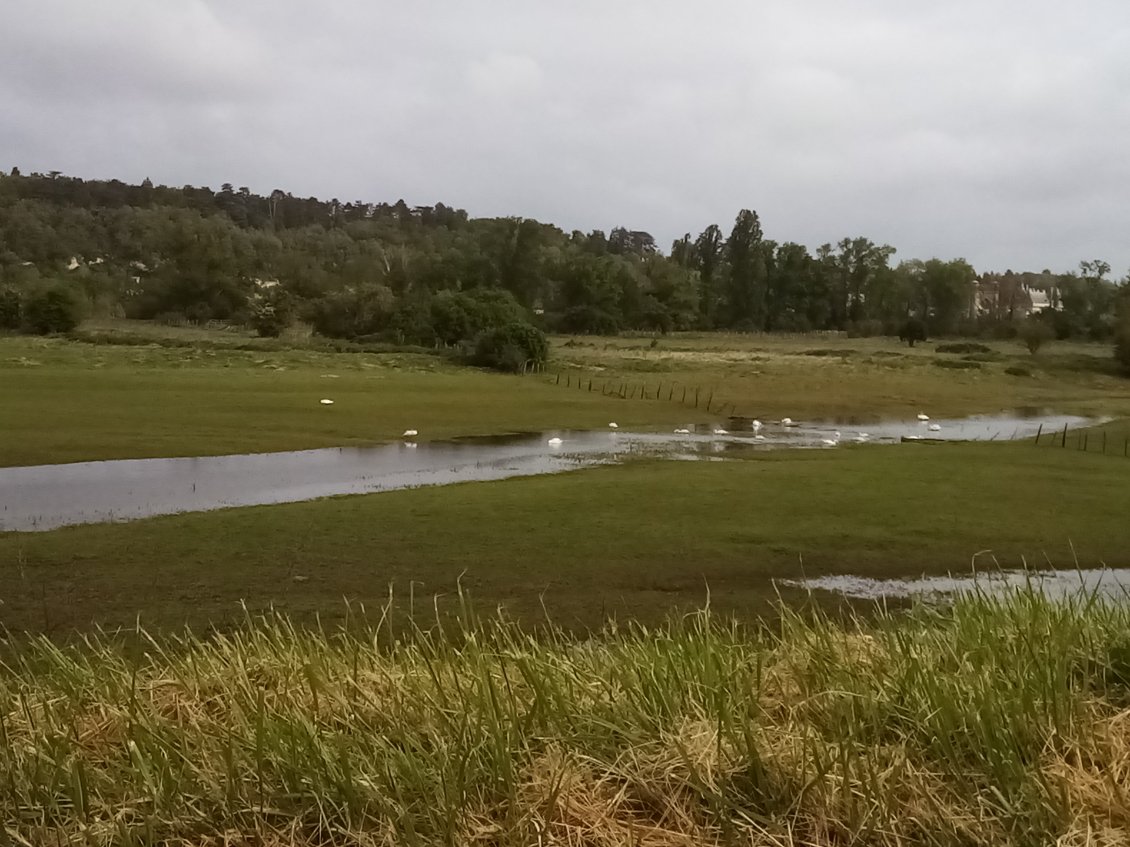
{"points": [[67, 401], [828, 375], [345, 715], [632, 541]]}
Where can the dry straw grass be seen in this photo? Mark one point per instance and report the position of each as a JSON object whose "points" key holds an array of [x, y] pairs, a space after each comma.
{"points": [[999, 721]]}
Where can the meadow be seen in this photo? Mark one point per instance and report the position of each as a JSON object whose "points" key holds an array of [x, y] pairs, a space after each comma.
{"points": [[145, 390], [632, 541], [600, 657]]}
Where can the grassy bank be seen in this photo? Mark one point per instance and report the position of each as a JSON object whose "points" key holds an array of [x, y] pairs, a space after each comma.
{"points": [[999, 723], [830, 375], [632, 541], [66, 401]]}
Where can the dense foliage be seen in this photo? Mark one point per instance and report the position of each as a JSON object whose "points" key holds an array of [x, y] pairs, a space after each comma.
{"points": [[1122, 336], [404, 273], [41, 309]]}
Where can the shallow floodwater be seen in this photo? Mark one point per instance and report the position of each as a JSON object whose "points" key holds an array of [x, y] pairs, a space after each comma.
{"points": [[45, 497], [1112, 583]]}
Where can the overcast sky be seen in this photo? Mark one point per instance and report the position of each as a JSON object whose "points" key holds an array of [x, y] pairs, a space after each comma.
{"points": [[994, 131]]}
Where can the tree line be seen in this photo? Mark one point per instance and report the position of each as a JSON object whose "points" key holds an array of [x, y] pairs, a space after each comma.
{"points": [[433, 275]]}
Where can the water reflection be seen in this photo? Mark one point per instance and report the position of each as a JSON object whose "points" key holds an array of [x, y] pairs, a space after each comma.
{"points": [[49, 496]]}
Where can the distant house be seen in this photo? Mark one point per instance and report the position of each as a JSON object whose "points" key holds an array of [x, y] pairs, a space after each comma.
{"points": [[1011, 296], [1040, 299]]}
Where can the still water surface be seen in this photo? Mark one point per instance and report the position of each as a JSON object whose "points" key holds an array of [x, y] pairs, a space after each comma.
{"points": [[45, 497]]}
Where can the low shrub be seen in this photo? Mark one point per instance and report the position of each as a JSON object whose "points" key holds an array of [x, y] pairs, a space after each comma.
{"points": [[58, 308], [982, 357], [1034, 334], [963, 347], [913, 330], [957, 364], [511, 347], [1018, 370]]}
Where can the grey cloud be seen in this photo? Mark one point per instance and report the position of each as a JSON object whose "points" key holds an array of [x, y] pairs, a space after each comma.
{"points": [[989, 131]]}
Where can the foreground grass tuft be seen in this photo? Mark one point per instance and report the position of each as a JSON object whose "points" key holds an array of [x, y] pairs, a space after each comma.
{"points": [[999, 721]]}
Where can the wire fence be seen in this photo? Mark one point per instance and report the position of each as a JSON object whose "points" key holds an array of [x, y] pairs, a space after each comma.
{"points": [[692, 396], [1084, 440]]}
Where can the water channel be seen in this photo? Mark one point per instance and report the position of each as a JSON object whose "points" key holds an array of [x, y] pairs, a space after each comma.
{"points": [[45, 497]]}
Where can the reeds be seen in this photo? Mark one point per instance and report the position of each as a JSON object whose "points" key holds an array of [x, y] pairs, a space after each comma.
{"points": [[995, 721]]}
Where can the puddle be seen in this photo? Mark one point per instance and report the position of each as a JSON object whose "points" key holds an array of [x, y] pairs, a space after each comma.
{"points": [[1024, 424], [1112, 583], [46, 497]]}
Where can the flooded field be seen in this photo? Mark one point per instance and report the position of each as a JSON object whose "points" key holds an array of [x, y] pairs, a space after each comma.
{"points": [[1103, 582], [45, 497]]}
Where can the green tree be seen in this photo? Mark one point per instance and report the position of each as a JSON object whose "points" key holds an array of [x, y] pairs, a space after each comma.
{"points": [[11, 308], [746, 273], [1122, 328], [707, 260]]}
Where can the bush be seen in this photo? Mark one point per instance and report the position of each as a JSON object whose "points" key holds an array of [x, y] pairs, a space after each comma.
{"points": [[11, 309], [348, 314], [982, 357], [963, 347], [272, 314], [957, 364], [511, 347], [913, 330], [1018, 370], [55, 309], [1034, 333]]}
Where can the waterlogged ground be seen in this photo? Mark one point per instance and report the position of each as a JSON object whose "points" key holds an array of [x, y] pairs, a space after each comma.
{"points": [[50, 496], [1109, 583]]}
